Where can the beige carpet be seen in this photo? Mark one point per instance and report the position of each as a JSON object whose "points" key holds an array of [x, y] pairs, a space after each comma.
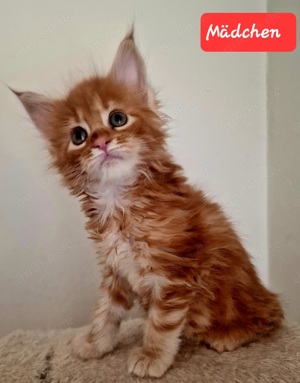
{"points": [[32, 356]]}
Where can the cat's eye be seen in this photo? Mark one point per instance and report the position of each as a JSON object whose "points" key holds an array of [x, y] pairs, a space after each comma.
{"points": [[117, 119], [79, 135]]}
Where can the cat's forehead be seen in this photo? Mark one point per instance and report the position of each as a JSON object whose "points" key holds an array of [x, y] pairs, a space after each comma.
{"points": [[100, 91], [96, 111], [95, 98]]}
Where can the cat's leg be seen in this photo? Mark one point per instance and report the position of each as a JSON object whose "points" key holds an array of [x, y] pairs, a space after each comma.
{"points": [[164, 325], [101, 337]]}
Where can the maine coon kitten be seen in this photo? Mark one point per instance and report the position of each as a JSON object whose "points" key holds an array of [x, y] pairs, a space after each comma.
{"points": [[158, 239]]}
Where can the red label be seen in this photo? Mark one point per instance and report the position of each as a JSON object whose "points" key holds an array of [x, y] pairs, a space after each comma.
{"points": [[248, 32]]}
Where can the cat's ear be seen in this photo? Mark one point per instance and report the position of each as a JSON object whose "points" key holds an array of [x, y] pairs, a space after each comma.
{"points": [[128, 66], [39, 108]]}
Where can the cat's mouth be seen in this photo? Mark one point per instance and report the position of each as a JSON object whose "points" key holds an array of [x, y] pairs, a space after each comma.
{"points": [[110, 157]]}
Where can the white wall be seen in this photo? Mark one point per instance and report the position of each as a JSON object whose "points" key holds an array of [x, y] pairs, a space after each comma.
{"points": [[283, 165], [47, 267]]}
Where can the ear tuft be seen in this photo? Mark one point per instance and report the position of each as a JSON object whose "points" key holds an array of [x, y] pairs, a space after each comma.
{"points": [[130, 33], [128, 66], [39, 108]]}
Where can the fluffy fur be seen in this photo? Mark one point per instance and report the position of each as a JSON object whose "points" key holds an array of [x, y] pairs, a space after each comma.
{"points": [[158, 239]]}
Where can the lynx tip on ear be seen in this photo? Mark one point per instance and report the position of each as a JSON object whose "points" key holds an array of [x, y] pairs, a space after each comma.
{"points": [[130, 33], [18, 94]]}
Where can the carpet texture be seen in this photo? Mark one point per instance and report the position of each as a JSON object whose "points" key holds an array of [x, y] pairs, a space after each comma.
{"points": [[33, 356]]}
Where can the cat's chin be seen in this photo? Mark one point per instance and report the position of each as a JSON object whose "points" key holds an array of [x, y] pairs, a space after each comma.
{"points": [[116, 170]]}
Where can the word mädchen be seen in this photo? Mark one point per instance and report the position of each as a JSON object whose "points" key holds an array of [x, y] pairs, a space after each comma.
{"points": [[238, 32]]}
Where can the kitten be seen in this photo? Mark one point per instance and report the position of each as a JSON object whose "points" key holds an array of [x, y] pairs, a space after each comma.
{"points": [[158, 239]]}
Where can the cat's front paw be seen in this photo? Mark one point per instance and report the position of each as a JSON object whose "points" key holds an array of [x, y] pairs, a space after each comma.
{"points": [[143, 363], [85, 348]]}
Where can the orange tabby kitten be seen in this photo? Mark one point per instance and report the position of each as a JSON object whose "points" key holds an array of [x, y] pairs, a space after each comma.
{"points": [[158, 239]]}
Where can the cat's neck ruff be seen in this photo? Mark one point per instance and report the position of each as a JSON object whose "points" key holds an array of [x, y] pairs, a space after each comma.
{"points": [[109, 196], [108, 200]]}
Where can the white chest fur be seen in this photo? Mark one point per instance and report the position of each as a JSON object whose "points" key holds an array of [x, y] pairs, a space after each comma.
{"points": [[121, 252], [121, 258], [114, 249], [128, 258], [109, 200]]}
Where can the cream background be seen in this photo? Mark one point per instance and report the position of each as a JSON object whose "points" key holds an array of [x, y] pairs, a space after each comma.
{"points": [[284, 175], [48, 274]]}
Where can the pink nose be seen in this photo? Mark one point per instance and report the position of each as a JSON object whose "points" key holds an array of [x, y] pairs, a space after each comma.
{"points": [[101, 143]]}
